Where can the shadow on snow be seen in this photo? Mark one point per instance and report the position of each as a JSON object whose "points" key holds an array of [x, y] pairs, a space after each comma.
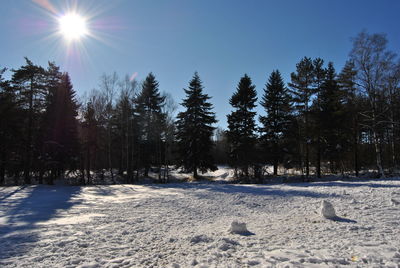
{"points": [[262, 189], [23, 209]]}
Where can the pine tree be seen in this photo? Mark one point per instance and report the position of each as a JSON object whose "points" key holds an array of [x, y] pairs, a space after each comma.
{"points": [[28, 82], [319, 76], [195, 130], [302, 91], [331, 118], [242, 126], [276, 102], [61, 143], [347, 84], [152, 121], [10, 126]]}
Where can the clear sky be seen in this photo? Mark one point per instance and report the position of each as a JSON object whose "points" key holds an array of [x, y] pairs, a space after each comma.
{"points": [[221, 39]]}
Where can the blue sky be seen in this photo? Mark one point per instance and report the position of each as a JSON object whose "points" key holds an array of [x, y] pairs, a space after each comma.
{"points": [[221, 39]]}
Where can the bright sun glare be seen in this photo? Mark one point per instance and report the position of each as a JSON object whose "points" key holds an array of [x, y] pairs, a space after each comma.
{"points": [[72, 26]]}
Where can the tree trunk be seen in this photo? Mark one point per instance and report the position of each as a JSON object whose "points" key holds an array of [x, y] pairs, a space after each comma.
{"points": [[109, 154], [28, 152], [88, 166], [195, 175], [319, 155], [275, 168], [276, 160], [2, 168], [355, 129], [307, 147], [377, 145]]}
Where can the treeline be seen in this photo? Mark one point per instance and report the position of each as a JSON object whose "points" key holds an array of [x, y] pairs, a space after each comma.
{"points": [[321, 122]]}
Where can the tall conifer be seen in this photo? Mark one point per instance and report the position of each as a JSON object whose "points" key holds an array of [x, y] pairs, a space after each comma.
{"points": [[195, 129], [242, 127]]}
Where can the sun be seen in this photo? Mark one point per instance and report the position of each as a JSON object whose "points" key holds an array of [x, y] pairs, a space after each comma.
{"points": [[72, 26]]}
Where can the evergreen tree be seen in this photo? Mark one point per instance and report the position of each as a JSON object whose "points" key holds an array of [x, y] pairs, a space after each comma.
{"points": [[331, 118], [61, 144], [28, 82], [302, 91], [195, 129], [10, 127], [276, 102], [319, 76], [242, 126], [347, 84], [152, 121]]}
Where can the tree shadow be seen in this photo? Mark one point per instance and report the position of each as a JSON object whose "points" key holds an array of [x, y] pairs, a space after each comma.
{"points": [[258, 190], [351, 184], [21, 215], [6, 195]]}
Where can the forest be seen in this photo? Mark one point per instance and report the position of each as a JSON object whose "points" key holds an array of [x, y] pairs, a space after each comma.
{"points": [[321, 122]]}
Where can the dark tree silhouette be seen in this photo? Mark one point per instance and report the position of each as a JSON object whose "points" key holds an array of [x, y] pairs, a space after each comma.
{"points": [[302, 90], [151, 122], [28, 81], [195, 130], [276, 102], [61, 143], [242, 127]]}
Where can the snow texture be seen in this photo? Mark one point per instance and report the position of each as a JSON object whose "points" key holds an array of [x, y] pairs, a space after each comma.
{"points": [[185, 225]]}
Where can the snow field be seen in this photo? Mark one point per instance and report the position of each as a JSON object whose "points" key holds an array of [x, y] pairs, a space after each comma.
{"points": [[188, 225]]}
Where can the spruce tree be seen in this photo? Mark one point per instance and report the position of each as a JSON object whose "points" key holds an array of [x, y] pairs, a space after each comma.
{"points": [[276, 102], [302, 91], [151, 120], [195, 129], [61, 144], [242, 127]]}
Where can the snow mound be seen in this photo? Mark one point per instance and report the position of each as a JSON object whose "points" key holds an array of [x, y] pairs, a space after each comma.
{"points": [[227, 244], [200, 239], [395, 202], [327, 210], [238, 228]]}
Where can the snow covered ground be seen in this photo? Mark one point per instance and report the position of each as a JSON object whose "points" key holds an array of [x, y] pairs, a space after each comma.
{"points": [[187, 225]]}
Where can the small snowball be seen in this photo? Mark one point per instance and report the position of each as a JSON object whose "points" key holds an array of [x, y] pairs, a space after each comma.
{"points": [[327, 210], [238, 228]]}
